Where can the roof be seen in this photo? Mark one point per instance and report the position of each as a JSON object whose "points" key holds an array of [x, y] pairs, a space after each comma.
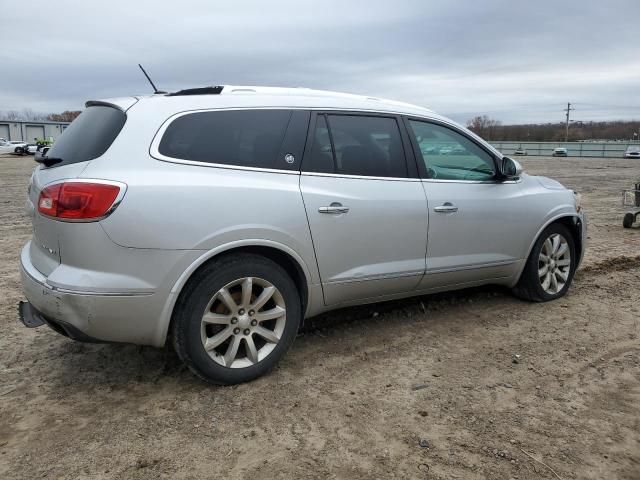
{"points": [[163, 106], [239, 96]]}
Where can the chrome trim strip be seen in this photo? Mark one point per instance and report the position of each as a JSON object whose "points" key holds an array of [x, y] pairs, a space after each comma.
{"points": [[163, 158], [361, 177], [102, 294], [415, 273], [154, 151], [497, 182], [473, 266], [51, 288]]}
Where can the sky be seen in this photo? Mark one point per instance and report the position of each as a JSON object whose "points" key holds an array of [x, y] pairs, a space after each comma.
{"points": [[516, 61]]}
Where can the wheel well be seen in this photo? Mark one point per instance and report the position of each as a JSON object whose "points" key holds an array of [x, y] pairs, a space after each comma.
{"points": [[574, 226], [286, 261], [283, 259]]}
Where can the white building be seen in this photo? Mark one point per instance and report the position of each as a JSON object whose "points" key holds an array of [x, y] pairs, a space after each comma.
{"points": [[28, 131]]}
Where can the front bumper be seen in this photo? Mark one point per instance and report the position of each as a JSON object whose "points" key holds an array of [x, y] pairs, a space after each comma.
{"points": [[583, 231], [89, 316]]}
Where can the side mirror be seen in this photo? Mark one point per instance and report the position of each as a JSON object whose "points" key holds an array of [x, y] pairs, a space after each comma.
{"points": [[510, 169]]}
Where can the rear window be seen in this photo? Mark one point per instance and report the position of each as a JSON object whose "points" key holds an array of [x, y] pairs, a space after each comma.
{"points": [[89, 135], [246, 138]]}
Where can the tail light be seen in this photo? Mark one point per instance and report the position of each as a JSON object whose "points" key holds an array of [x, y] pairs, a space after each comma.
{"points": [[80, 200]]}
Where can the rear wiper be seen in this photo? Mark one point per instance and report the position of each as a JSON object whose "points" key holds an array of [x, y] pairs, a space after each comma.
{"points": [[48, 161]]}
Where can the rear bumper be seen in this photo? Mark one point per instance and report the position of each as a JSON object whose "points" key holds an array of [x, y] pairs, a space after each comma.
{"points": [[90, 316], [32, 318]]}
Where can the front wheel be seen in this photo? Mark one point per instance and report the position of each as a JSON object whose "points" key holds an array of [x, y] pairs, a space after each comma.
{"points": [[236, 319], [550, 267]]}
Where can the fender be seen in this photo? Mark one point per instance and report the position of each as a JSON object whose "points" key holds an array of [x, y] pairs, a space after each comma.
{"points": [[548, 222], [167, 311]]}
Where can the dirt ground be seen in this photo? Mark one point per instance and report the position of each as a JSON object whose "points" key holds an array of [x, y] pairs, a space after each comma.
{"points": [[419, 388]]}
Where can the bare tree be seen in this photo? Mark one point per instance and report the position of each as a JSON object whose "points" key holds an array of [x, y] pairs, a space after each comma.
{"points": [[66, 116], [485, 127], [28, 115], [11, 115]]}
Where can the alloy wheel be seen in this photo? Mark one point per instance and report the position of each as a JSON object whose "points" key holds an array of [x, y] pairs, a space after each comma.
{"points": [[554, 264], [243, 322]]}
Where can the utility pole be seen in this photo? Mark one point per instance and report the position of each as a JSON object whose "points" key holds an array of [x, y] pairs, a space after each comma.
{"points": [[567, 110]]}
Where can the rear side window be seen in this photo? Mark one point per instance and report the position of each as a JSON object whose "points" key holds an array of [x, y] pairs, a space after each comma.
{"points": [[357, 145], [246, 138], [89, 135]]}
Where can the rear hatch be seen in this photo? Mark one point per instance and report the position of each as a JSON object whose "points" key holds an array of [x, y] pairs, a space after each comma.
{"points": [[87, 138]]}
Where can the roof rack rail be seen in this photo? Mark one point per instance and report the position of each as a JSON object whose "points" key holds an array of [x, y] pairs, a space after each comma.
{"points": [[198, 91]]}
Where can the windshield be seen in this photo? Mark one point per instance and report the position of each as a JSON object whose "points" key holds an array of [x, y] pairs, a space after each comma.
{"points": [[89, 135]]}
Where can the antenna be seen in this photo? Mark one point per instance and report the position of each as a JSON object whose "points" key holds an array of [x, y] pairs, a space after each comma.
{"points": [[155, 90]]}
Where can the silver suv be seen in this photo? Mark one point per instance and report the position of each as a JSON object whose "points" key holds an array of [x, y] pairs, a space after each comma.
{"points": [[221, 217]]}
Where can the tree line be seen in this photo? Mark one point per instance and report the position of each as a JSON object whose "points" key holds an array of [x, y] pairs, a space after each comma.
{"points": [[28, 115], [493, 130]]}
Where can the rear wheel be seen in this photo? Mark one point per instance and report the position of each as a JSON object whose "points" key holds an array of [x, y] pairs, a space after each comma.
{"points": [[236, 319], [550, 267], [628, 220]]}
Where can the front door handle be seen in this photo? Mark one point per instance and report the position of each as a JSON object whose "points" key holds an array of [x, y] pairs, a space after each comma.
{"points": [[334, 209], [446, 207]]}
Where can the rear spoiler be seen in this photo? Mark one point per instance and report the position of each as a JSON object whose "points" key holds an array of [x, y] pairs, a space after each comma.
{"points": [[121, 103]]}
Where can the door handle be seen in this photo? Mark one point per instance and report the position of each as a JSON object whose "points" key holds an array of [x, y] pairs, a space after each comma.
{"points": [[446, 207], [334, 209]]}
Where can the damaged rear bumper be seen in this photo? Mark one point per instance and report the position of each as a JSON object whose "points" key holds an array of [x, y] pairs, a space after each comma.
{"points": [[85, 316]]}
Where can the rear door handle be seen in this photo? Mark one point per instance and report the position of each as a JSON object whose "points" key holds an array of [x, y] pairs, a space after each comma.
{"points": [[334, 209], [446, 207]]}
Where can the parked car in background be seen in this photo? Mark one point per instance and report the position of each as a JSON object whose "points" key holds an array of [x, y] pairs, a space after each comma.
{"points": [[218, 219], [519, 151], [425, 148], [14, 147], [559, 152], [633, 151], [41, 148], [458, 150], [31, 148]]}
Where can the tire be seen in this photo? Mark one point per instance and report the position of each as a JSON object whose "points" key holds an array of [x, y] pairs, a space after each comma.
{"points": [[19, 150], [628, 220], [531, 285], [234, 320]]}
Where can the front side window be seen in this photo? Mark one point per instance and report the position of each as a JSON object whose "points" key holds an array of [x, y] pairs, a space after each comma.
{"points": [[357, 145], [247, 138], [449, 155]]}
